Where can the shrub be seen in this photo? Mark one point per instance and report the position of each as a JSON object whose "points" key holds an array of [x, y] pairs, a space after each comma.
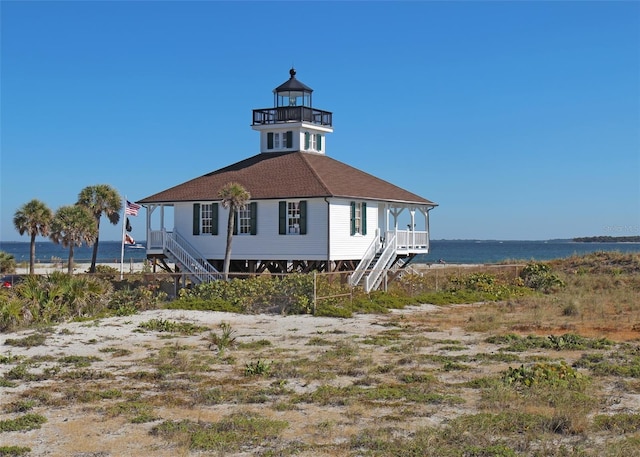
{"points": [[22, 423], [543, 373], [538, 276], [131, 300], [106, 272], [11, 313], [58, 296], [7, 263], [289, 294]]}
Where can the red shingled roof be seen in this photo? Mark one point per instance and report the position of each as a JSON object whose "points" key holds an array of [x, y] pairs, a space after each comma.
{"points": [[288, 175]]}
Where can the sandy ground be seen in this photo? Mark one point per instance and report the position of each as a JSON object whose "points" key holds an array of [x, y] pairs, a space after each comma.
{"points": [[46, 268], [98, 428], [73, 429]]}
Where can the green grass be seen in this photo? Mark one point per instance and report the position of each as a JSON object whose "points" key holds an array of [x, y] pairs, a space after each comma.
{"points": [[22, 423], [164, 325], [33, 340], [232, 433], [14, 451]]}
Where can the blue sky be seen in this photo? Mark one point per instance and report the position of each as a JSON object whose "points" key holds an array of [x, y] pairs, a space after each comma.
{"points": [[520, 119]]}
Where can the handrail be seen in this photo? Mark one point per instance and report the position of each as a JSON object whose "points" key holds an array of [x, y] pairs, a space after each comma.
{"points": [[190, 259], [373, 279], [370, 253]]}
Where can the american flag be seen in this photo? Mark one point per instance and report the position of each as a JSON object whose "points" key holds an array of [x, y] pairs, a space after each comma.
{"points": [[132, 209]]}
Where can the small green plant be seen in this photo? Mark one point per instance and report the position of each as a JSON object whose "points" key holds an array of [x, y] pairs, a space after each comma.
{"points": [[164, 325], [224, 340], [257, 368], [35, 339], [117, 352], [22, 373], [22, 423], [21, 406], [14, 451], [8, 358]]}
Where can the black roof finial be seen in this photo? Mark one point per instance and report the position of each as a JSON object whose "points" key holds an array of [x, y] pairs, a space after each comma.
{"points": [[292, 72]]}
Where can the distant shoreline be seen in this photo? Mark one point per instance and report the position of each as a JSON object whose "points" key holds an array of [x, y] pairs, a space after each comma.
{"points": [[607, 239]]}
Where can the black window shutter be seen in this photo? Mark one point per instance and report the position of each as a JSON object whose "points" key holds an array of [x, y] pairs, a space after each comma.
{"points": [[363, 222], [306, 140], [214, 218], [282, 218], [353, 218], [270, 140], [235, 222], [289, 139], [253, 223], [196, 218], [319, 141], [303, 217]]}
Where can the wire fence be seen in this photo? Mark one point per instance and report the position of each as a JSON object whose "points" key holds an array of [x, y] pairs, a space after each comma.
{"points": [[413, 279]]}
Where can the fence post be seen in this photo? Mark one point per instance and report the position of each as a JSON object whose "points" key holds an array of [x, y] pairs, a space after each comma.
{"points": [[315, 292]]}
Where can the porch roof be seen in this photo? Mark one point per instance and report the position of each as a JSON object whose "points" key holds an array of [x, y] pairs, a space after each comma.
{"points": [[289, 175]]}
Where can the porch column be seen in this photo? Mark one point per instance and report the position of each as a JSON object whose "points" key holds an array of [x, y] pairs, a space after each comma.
{"points": [[412, 211]]}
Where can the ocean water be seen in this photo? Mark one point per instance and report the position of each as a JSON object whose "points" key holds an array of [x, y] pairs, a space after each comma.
{"points": [[450, 251], [46, 251], [493, 251]]}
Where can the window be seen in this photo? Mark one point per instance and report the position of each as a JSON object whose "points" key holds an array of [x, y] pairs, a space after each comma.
{"points": [[293, 217], [282, 140], [205, 218], [312, 142], [358, 218], [246, 220]]}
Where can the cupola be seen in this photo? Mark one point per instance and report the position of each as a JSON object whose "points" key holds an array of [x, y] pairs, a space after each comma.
{"points": [[292, 124]]}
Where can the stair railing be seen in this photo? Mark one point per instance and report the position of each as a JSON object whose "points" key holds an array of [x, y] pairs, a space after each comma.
{"points": [[190, 259], [373, 279], [370, 253]]}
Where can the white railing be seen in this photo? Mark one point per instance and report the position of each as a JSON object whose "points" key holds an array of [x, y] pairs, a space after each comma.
{"points": [[155, 239], [371, 252], [411, 240], [373, 279], [189, 258]]}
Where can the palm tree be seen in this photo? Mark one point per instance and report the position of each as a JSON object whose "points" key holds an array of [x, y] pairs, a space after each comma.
{"points": [[33, 218], [100, 199], [71, 226], [234, 197]]}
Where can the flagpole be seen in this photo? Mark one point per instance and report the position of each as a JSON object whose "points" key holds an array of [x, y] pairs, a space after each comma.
{"points": [[124, 221]]}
